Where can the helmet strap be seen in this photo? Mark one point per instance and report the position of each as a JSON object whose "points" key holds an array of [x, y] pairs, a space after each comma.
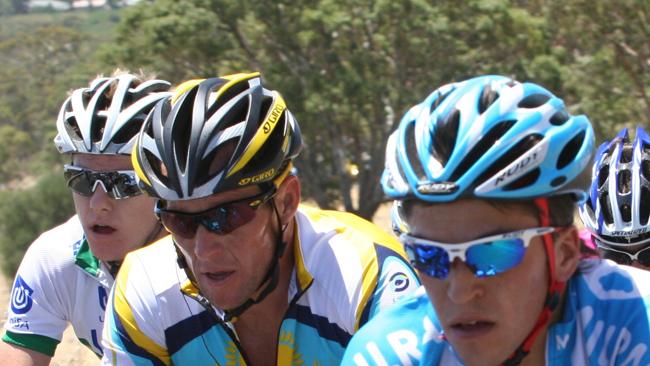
{"points": [[272, 275], [555, 290]]}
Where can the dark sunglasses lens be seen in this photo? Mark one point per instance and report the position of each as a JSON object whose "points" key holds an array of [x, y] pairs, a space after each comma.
{"points": [[183, 226], [620, 258], [495, 257], [432, 261], [79, 182], [644, 257], [124, 186], [226, 219]]}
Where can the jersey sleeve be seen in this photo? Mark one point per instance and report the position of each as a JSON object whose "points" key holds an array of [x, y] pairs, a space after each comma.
{"points": [[395, 280], [133, 334], [404, 334], [37, 315]]}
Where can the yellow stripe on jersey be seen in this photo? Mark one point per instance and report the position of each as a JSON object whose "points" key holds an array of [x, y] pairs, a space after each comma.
{"points": [[352, 226], [304, 277], [123, 311]]}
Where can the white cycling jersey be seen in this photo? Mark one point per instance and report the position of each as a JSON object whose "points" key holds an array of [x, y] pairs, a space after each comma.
{"points": [[58, 282], [606, 321]]}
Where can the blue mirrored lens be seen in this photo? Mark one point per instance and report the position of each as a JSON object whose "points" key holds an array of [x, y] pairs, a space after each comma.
{"points": [[495, 257], [429, 260]]}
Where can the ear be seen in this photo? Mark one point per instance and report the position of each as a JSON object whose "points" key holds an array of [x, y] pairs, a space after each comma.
{"points": [[288, 198], [567, 253]]}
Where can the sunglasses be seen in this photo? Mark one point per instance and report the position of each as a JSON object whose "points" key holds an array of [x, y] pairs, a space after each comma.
{"points": [[221, 219], [486, 257], [117, 184], [621, 257]]}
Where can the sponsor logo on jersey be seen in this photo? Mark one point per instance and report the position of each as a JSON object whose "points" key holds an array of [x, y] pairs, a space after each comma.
{"points": [[19, 323], [21, 296], [103, 297]]}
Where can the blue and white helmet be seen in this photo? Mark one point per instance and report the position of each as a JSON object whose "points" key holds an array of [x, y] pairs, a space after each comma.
{"points": [[488, 137], [618, 208]]}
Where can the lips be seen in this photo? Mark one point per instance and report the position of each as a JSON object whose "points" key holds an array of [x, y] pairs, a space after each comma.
{"points": [[216, 278], [469, 328], [103, 229]]}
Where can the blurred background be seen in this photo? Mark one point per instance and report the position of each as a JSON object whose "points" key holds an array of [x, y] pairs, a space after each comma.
{"points": [[348, 70]]}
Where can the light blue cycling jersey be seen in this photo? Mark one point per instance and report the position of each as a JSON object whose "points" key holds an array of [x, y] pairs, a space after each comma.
{"points": [[606, 321], [346, 270]]}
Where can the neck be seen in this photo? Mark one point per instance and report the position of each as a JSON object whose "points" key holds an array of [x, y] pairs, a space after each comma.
{"points": [[537, 355]]}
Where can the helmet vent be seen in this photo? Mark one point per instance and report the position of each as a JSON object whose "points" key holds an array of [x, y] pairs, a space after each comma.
{"points": [[412, 154], [605, 208], [558, 181], [559, 118], [524, 181], [644, 205], [156, 165], [484, 144], [488, 97], [438, 101], [98, 128], [603, 174], [269, 151], [444, 137], [533, 101], [624, 180], [570, 150], [626, 212], [645, 169], [626, 154], [516, 151], [215, 162], [127, 132]]}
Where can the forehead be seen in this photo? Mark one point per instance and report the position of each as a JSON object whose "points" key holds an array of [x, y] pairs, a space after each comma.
{"points": [[101, 162], [467, 219]]}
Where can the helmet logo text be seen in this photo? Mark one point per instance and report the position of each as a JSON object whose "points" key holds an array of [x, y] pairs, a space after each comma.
{"points": [[276, 112], [437, 188], [258, 178]]}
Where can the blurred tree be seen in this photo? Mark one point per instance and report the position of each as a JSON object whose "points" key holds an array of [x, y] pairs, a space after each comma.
{"points": [[606, 48], [348, 69], [25, 213]]}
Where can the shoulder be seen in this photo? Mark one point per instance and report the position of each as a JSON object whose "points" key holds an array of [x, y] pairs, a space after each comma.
{"points": [[405, 333], [153, 266], [54, 251], [606, 280], [599, 294]]}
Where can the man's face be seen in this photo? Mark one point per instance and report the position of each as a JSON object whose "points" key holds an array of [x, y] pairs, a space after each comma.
{"points": [[230, 267], [113, 227], [484, 319]]}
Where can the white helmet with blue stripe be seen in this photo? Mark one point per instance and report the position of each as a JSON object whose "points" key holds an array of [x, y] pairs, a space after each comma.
{"points": [[618, 209], [488, 137]]}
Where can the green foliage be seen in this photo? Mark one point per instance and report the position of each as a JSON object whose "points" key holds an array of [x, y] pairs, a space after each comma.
{"points": [[42, 57], [26, 213]]}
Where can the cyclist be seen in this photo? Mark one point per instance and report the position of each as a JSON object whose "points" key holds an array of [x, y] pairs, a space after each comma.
{"points": [[617, 212], [66, 274], [248, 276], [485, 175]]}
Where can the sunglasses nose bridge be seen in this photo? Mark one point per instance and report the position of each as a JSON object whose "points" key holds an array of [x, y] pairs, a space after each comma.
{"points": [[454, 253], [101, 184]]}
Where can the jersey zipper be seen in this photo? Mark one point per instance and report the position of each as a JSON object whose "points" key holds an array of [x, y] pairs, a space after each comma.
{"points": [[233, 337]]}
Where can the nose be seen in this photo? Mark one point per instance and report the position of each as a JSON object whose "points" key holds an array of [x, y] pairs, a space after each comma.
{"points": [[462, 285], [100, 201], [206, 243]]}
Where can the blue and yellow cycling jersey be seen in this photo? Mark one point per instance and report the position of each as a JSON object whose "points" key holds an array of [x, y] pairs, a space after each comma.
{"points": [[346, 271], [606, 321]]}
